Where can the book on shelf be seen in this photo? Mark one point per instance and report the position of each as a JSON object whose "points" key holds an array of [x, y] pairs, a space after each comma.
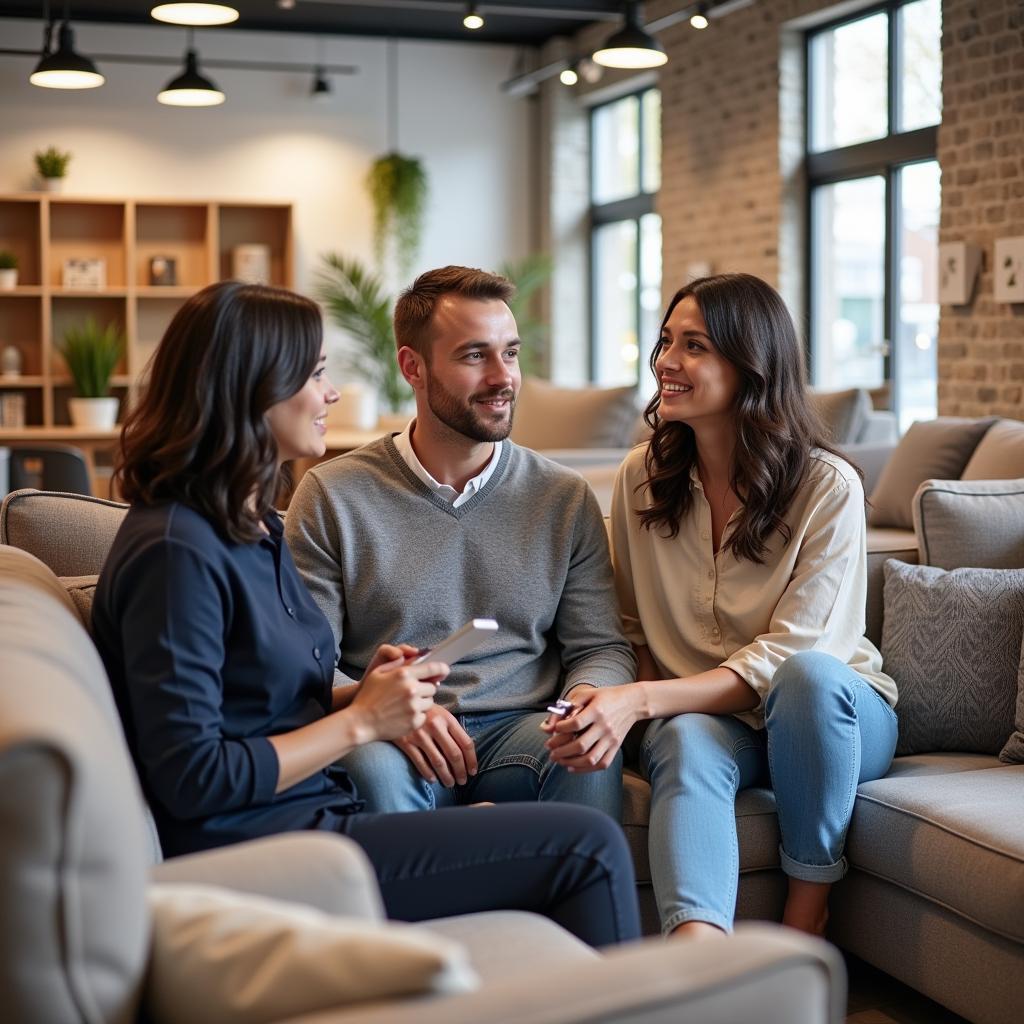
{"points": [[12, 410]]}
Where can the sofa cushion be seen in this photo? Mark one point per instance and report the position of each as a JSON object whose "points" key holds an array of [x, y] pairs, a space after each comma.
{"points": [[71, 533], [1000, 453], [930, 450], [952, 642], [970, 523], [883, 544], [949, 839], [82, 591], [74, 930], [223, 957], [842, 413], [548, 416]]}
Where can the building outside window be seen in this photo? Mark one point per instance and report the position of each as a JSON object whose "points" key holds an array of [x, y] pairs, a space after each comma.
{"points": [[625, 244], [874, 103]]}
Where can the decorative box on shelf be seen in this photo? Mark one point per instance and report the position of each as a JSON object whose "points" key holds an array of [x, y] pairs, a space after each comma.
{"points": [[85, 274]]}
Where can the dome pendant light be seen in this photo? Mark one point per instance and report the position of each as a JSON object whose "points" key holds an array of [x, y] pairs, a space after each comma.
{"points": [[194, 14], [65, 69], [473, 19], [631, 47], [191, 89]]}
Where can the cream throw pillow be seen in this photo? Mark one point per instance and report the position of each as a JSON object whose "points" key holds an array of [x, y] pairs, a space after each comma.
{"points": [[225, 957]]}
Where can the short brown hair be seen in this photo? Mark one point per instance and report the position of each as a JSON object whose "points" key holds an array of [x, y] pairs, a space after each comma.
{"points": [[415, 307]]}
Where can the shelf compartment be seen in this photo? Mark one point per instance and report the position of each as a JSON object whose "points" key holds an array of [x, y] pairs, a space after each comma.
{"points": [[87, 231], [264, 225], [20, 233], [33, 406], [69, 311], [21, 318], [151, 320], [180, 232]]}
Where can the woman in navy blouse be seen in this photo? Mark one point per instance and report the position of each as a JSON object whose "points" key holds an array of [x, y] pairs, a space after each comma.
{"points": [[223, 667]]}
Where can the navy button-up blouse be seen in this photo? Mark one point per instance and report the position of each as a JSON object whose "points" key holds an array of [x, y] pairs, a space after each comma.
{"points": [[211, 647]]}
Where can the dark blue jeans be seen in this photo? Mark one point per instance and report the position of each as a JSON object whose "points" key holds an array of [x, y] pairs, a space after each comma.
{"points": [[569, 863]]}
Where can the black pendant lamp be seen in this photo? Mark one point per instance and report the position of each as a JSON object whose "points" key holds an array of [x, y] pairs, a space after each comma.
{"points": [[632, 46]]}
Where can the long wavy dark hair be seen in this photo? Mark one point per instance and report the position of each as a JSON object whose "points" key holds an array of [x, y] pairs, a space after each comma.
{"points": [[776, 427], [199, 433]]}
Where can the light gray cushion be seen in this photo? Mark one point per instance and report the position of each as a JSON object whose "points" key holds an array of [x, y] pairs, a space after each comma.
{"points": [[930, 450], [224, 957], [71, 533], [74, 929], [548, 416], [1000, 453], [842, 413], [970, 523], [952, 642], [952, 839], [1013, 751]]}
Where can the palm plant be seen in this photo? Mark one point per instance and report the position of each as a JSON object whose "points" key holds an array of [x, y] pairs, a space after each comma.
{"points": [[528, 274], [356, 301], [91, 353]]}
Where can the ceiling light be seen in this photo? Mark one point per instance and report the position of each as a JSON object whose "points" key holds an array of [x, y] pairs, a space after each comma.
{"points": [[631, 46], [699, 19], [472, 20], [286, 5], [191, 89], [321, 89], [195, 14], [570, 75], [65, 69]]}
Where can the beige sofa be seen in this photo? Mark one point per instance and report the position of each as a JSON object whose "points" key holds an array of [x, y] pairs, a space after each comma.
{"points": [[935, 895]]}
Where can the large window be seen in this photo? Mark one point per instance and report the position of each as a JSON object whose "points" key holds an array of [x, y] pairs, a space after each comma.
{"points": [[625, 249], [874, 101]]}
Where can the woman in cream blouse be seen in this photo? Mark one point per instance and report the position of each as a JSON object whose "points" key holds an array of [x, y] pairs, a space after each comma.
{"points": [[738, 538]]}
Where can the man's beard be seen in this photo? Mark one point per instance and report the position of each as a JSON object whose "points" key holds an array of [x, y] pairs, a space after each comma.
{"points": [[465, 417]]}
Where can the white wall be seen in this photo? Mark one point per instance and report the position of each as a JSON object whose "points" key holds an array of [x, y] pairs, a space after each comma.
{"points": [[268, 141]]}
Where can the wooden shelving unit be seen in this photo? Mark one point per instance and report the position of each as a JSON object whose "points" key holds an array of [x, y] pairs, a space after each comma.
{"points": [[44, 230]]}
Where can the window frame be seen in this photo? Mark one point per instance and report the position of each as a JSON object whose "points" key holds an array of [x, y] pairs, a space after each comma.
{"points": [[631, 208], [884, 157]]}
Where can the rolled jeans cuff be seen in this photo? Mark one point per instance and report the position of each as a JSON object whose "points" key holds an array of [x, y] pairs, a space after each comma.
{"points": [[812, 872]]}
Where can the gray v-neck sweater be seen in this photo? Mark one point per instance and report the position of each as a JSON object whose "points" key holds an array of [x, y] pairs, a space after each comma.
{"points": [[388, 560]]}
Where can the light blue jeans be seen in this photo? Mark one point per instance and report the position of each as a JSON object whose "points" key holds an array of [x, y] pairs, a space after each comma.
{"points": [[826, 730], [512, 765]]}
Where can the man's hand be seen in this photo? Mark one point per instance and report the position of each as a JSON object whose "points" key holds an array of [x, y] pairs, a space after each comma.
{"points": [[588, 739], [440, 749]]}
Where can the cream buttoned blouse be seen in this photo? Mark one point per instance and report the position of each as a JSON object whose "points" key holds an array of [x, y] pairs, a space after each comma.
{"points": [[697, 610]]}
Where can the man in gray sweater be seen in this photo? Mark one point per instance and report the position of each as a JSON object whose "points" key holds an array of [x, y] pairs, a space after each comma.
{"points": [[408, 538]]}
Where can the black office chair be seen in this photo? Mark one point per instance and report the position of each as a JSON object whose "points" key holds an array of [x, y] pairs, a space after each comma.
{"points": [[54, 467]]}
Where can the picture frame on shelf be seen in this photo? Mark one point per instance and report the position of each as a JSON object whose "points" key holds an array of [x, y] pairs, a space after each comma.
{"points": [[163, 271], [87, 274]]}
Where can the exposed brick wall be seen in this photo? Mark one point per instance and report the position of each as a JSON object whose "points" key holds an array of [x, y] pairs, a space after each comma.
{"points": [[732, 190], [981, 152]]}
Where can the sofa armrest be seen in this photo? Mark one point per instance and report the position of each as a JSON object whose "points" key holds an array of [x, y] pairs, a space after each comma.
{"points": [[321, 869], [763, 973]]}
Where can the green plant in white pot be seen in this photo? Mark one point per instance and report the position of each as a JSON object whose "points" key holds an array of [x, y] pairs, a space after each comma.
{"points": [[91, 353], [8, 271], [52, 166]]}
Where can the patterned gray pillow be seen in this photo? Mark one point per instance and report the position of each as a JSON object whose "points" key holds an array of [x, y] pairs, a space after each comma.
{"points": [[1013, 752], [952, 642]]}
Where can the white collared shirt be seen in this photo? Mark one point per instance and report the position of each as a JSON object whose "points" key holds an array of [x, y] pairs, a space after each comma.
{"points": [[403, 442]]}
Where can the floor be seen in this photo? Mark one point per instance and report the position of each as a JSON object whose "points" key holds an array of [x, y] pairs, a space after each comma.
{"points": [[875, 998]]}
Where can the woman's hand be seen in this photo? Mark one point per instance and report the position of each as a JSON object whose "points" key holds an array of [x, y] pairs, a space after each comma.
{"points": [[589, 739], [394, 696], [388, 653]]}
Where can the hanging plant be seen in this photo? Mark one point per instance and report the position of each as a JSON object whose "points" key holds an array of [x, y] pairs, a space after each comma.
{"points": [[398, 190]]}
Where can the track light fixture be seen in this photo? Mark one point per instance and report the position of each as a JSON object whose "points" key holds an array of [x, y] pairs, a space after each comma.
{"points": [[321, 89], [631, 47], [65, 68], [699, 19], [570, 74], [191, 89], [473, 19], [195, 14]]}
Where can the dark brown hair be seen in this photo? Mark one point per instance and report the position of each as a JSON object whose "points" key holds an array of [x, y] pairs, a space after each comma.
{"points": [[415, 307], [776, 427], [199, 433]]}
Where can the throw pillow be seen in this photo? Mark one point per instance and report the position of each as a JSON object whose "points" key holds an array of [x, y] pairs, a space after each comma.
{"points": [[549, 417], [1013, 751], [225, 957], [999, 455], [930, 450], [952, 641], [843, 413], [81, 590]]}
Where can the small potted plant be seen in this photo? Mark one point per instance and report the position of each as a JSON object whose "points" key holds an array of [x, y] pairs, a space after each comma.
{"points": [[52, 165], [8, 271], [91, 353]]}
